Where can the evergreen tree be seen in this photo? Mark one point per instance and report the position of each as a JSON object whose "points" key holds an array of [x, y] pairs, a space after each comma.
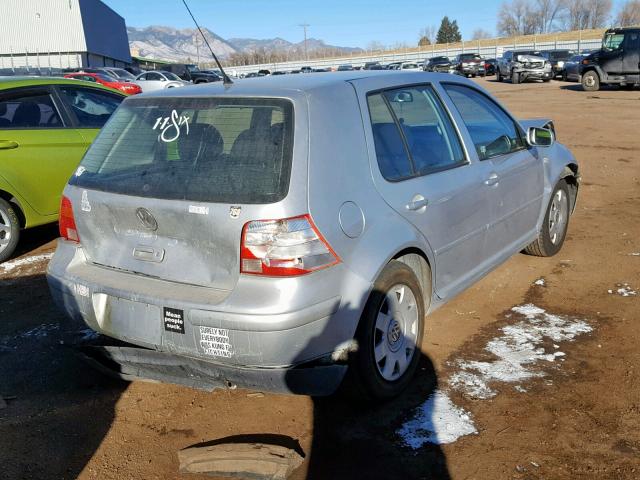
{"points": [[448, 32]]}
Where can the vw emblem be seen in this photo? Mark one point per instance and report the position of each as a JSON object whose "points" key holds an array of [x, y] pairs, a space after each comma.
{"points": [[395, 333], [146, 219]]}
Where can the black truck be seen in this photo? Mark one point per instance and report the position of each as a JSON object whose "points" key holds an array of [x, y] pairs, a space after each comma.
{"points": [[191, 73], [617, 62]]}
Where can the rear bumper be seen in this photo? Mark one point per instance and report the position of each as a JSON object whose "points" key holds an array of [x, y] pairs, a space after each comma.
{"points": [[254, 336], [139, 364]]}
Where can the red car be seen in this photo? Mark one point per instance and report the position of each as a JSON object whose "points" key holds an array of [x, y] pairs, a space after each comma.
{"points": [[125, 87]]}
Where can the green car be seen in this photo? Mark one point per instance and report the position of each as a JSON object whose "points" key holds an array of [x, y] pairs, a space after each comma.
{"points": [[46, 125]]}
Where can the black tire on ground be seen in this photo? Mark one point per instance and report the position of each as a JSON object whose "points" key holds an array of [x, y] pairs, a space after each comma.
{"points": [[10, 230], [364, 381], [564, 76], [546, 80], [515, 78], [591, 81], [545, 245], [498, 75]]}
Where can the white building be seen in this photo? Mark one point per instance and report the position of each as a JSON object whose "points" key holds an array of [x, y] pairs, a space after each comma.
{"points": [[61, 34]]}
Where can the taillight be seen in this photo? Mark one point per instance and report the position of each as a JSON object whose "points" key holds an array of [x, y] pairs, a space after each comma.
{"points": [[288, 247], [67, 223]]}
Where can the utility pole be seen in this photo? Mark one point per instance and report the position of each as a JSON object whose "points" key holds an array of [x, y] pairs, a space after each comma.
{"points": [[306, 53]]}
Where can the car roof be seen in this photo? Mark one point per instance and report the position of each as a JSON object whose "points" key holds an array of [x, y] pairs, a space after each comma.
{"points": [[26, 81], [290, 86]]}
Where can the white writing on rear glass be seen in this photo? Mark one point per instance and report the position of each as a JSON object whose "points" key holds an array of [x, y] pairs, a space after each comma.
{"points": [[170, 127]]}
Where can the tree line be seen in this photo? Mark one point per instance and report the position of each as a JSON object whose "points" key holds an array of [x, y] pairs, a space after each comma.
{"points": [[526, 17]]}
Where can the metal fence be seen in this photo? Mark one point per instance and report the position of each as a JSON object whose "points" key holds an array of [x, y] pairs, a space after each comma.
{"points": [[419, 56]]}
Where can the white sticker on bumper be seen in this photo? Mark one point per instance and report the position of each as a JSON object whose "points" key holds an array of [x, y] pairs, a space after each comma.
{"points": [[215, 342]]}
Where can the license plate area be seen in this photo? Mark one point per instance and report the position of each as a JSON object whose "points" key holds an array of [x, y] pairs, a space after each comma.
{"points": [[135, 320]]}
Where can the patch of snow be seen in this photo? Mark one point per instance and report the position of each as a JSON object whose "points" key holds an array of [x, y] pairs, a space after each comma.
{"points": [[520, 388], [634, 254], [41, 331], [21, 262], [624, 290], [517, 351], [437, 421], [88, 334], [540, 282]]}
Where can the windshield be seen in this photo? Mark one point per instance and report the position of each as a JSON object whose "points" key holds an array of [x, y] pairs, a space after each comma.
{"points": [[469, 56], [193, 68], [226, 150], [612, 41], [122, 74], [562, 55]]}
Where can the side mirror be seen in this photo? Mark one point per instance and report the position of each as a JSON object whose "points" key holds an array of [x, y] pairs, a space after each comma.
{"points": [[402, 97], [540, 137]]}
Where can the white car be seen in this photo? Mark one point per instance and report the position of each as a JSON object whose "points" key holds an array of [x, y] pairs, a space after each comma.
{"points": [[159, 80], [410, 67]]}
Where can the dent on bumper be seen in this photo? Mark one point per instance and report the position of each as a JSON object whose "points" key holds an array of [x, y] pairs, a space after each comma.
{"points": [[130, 363]]}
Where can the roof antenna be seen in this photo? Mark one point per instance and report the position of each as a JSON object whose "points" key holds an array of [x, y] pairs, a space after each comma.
{"points": [[225, 78]]}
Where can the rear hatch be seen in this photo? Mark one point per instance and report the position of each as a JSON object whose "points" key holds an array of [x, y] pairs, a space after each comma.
{"points": [[161, 190]]}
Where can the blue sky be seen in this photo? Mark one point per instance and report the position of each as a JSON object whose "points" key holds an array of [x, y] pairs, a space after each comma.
{"points": [[337, 22]]}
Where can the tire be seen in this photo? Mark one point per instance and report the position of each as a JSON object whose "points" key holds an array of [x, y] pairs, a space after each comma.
{"points": [[9, 230], [498, 75], [564, 77], [554, 227], [546, 80], [515, 78], [390, 339], [591, 81]]}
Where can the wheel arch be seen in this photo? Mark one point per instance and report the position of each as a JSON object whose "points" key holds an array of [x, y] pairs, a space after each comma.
{"points": [[11, 199], [570, 174], [417, 260]]}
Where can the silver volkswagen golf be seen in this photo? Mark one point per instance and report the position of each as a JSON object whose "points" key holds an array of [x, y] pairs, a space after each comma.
{"points": [[293, 233]]}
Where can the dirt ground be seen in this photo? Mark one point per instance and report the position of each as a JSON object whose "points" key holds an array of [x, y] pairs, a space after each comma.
{"points": [[580, 420]]}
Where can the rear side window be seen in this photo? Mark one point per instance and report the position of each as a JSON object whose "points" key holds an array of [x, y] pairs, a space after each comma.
{"points": [[426, 131], [493, 132], [222, 150], [391, 153], [91, 107], [30, 111]]}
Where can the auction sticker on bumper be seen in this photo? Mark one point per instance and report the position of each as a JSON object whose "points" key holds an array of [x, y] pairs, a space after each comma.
{"points": [[173, 320], [215, 342]]}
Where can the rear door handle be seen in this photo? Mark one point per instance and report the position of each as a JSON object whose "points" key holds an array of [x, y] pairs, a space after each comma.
{"points": [[8, 144], [492, 180], [418, 202]]}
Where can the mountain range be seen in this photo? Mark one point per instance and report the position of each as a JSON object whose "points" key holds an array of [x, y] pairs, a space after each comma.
{"points": [[167, 43]]}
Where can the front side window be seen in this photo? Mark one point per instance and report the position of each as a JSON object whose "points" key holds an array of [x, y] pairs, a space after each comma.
{"points": [[493, 132], [613, 41], [224, 150], [32, 111], [91, 107]]}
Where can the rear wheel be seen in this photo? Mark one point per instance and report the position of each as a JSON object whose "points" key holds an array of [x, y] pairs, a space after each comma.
{"points": [[515, 77], [9, 230], [564, 76], [389, 335], [591, 81], [498, 75], [554, 226]]}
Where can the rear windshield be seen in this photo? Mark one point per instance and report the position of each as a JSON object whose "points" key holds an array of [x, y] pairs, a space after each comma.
{"points": [[222, 150]]}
